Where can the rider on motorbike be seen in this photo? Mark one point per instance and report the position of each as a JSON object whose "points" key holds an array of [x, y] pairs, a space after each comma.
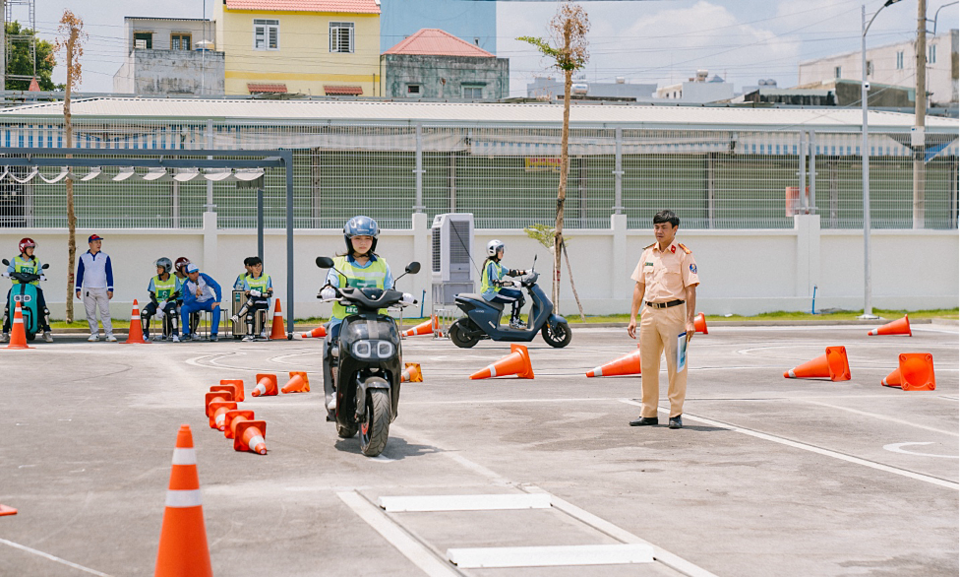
{"points": [[26, 262], [492, 285]]}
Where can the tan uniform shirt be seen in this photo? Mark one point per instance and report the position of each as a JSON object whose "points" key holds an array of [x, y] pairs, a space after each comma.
{"points": [[665, 274]]}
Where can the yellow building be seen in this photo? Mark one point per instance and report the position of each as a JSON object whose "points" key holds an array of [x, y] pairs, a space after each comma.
{"points": [[316, 47]]}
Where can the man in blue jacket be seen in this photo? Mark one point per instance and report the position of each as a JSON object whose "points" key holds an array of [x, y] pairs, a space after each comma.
{"points": [[200, 293]]}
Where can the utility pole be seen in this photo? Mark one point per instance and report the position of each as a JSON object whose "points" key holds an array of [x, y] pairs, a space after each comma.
{"points": [[917, 139]]}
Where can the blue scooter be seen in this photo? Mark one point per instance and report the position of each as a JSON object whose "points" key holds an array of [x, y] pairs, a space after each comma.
{"points": [[26, 294], [483, 319]]}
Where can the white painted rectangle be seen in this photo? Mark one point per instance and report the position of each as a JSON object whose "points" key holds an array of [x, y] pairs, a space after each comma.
{"points": [[479, 557], [464, 502]]}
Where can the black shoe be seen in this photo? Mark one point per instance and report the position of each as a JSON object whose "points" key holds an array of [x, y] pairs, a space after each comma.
{"points": [[675, 422], [644, 421]]}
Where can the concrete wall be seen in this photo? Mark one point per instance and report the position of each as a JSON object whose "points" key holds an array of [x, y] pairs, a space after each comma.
{"points": [[171, 72], [445, 76]]}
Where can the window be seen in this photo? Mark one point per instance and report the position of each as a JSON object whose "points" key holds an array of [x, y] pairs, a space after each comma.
{"points": [[932, 54], [143, 40], [341, 37], [836, 72], [266, 34], [900, 60], [472, 92], [180, 41], [413, 90], [869, 67]]}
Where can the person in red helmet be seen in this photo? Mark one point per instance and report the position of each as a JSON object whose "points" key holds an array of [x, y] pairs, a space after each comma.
{"points": [[27, 262]]}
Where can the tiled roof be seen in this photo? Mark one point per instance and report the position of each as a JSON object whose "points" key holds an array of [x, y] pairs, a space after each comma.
{"points": [[436, 42], [342, 90], [262, 88], [342, 6]]}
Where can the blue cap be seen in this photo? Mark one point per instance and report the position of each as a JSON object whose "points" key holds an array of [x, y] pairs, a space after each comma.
{"points": [[94, 237], [192, 268]]}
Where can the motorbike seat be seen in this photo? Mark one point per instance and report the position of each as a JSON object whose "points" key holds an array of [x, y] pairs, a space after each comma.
{"points": [[477, 297]]}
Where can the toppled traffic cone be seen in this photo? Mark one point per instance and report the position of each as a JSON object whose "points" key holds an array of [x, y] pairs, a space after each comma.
{"points": [[832, 364], [897, 327], [317, 333], [217, 404], [516, 363], [232, 389], [5, 510], [233, 417], [266, 386], [914, 373], [298, 383], [18, 337], [183, 537], [277, 331], [700, 324], [250, 436], [238, 385], [626, 365], [411, 373], [425, 328], [135, 335]]}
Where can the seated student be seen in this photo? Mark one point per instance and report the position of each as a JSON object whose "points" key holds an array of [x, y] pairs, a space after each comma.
{"points": [[200, 293], [164, 290], [238, 284], [259, 288]]}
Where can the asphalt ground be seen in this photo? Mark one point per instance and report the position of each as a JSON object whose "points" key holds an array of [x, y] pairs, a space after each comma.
{"points": [[769, 476]]}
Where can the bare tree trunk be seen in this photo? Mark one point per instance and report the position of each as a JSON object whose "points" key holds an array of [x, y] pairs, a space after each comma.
{"points": [[576, 297], [564, 163], [71, 216]]}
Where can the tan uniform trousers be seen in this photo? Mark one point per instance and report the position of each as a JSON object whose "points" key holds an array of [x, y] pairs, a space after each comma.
{"points": [[659, 329]]}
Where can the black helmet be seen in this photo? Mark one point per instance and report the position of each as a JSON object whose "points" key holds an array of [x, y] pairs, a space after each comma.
{"points": [[361, 226], [165, 263]]}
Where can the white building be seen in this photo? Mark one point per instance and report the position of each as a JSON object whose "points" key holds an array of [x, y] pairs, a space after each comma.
{"points": [[698, 89]]}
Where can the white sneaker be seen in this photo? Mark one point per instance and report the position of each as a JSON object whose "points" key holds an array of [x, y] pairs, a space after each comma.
{"points": [[235, 319], [93, 338], [174, 339], [249, 339], [111, 339], [4, 337], [332, 405], [47, 337]]}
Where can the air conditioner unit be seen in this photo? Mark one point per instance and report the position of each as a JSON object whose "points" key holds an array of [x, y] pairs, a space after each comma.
{"points": [[452, 266]]}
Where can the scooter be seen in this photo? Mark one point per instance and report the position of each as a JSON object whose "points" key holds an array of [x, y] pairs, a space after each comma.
{"points": [[26, 294], [363, 368], [483, 318]]}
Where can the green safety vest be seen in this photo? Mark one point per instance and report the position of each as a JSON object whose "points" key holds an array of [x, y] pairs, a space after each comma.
{"points": [[164, 288], [21, 264], [259, 284], [354, 276], [486, 283]]}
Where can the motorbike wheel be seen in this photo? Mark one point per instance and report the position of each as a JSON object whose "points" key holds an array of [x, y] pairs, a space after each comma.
{"points": [[460, 334], [31, 336], [346, 432], [375, 427], [558, 337]]}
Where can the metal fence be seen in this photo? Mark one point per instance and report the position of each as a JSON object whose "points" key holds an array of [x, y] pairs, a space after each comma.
{"points": [[506, 177]]}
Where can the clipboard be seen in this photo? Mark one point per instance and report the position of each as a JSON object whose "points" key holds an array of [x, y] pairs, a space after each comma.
{"points": [[681, 351]]}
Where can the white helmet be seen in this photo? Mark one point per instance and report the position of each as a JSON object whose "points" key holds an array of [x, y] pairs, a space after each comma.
{"points": [[494, 246]]}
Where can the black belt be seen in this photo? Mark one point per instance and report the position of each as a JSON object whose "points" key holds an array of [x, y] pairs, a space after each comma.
{"points": [[665, 305]]}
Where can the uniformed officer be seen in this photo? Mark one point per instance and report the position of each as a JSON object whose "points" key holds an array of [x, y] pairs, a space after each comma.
{"points": [[666, 288]]}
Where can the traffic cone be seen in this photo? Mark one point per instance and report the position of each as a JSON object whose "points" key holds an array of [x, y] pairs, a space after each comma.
{"points": [[230, 418], [277, 331], [700, 324], [238, 384], [183, 537], [266, 386], [232, 389], [897, 327], [516, 363], [832, 364], [298, 383], [18, 337], [217, 403], [317, 333], [424, 328], [250, 436], [5, 510], [411, 373], [135, 335], [914, 373], [625, 365]]}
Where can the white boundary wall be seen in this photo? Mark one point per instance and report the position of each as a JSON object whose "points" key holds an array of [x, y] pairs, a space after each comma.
{"points": [[742, 271]]}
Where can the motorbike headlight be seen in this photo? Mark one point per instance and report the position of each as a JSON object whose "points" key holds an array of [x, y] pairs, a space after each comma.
{"points": [[366, 349], [362, 349], [384, 349]]}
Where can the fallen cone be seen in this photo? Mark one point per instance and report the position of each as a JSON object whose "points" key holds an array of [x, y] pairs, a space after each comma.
{"points": [[232, 389], [250, 436], [700, 324], [277, 331], [424, 328], [18, 337], [4, 510], [218, 411], [298, 383], [238, 384], [832, 364], [183, 536], [231, 418], [317, 333], [266, 386], [628, 364], [516, 363], [914, 373], [897, 327], [135, 334], [411, 373]]}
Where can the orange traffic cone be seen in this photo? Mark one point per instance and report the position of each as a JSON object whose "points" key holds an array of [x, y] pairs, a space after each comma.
{"points": [[317, 333], [897, 327], [217, 404], [18, 337], [135, 335], [424, 328], [915, 373], [183, 537], [250, 436], [700, 324], [4, 510], [277, 331], [625, 365], [832, 364], [411, 373], [298, 383], [266, 386], [233, 417], [516, 363], [238, 385], [232, 389]]}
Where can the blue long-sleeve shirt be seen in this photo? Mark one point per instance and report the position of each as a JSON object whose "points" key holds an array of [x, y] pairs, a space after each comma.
{"points": [[206, 283], [95, 271]]}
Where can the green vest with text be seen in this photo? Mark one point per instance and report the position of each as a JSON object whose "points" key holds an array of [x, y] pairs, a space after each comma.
{"points": [[164, 288], [259, 284], [21, 264], [354, 276]]}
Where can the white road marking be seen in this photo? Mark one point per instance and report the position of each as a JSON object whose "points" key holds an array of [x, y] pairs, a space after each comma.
{"points": [[883, 417], [53, 558], [813, 449], [898, 448], [550, 556], [490, 502]]}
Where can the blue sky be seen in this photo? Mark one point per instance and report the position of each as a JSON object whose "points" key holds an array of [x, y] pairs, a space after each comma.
{"points": [[644, 41]]}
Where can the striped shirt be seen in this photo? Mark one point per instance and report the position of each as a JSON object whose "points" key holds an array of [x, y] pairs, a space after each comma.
{"points": [[95, 271]]}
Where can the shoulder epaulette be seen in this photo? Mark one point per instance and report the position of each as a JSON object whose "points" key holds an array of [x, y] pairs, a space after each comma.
{"points": [[685, 249], [649, 245]]}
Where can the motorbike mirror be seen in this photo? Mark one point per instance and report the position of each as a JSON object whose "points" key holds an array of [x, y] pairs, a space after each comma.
{"points": [[413, 268], [6, 262], [45, 266], [324, 262]]}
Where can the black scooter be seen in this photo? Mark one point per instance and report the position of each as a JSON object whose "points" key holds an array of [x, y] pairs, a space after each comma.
{"points": [[363, 368], [483, 319]]}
